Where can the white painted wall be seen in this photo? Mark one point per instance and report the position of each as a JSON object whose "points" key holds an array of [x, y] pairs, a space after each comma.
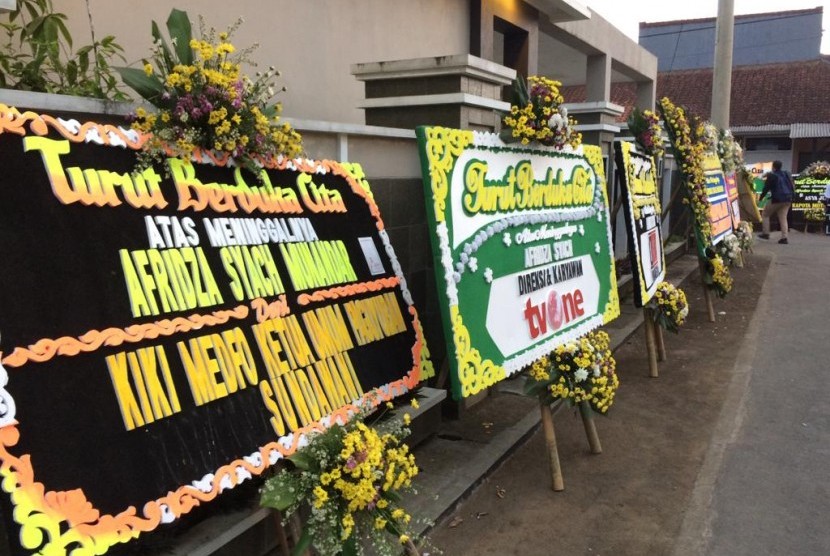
{"points": [[312, 42]]}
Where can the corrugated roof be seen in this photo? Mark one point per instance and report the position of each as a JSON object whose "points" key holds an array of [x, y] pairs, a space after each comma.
{"points": [[787, 13], [783, 94], [799, 131]]}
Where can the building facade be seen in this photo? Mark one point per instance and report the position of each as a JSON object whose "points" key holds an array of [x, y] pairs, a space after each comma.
{"points": [[777, 106]]}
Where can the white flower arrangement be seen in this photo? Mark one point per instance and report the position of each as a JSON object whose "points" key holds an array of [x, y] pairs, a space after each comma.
{"points": [[730, 249]]}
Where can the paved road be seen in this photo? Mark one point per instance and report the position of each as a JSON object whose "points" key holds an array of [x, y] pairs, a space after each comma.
{"points": [[764, 488]]}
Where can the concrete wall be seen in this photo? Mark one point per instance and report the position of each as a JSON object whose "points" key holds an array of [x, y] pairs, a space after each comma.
{"points": [[313, 42], [759, 39]]}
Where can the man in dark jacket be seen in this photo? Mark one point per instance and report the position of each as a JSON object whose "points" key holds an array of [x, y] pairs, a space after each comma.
{"points": [[779, 185]]}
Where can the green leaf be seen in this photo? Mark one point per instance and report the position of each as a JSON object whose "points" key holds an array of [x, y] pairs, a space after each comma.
{"points": [[149, 87], [61, 27], [506, 135], [534, 387], [303, 543], [71, 72], [165, 50], [302, 460], [392, 496], [280, 492], [520, 94], [349, 547], [178, 25]]}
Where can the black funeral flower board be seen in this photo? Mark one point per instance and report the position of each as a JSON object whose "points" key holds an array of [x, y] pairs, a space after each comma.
{"points": [[641, 204], [170, 334]]}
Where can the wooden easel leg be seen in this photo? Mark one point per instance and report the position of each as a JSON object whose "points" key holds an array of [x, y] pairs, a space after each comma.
{"points": [[590, 427], [651, 345], [707, 293], [296, 529], [661, 344], [282, 537], [557, 483], [411, 549]]}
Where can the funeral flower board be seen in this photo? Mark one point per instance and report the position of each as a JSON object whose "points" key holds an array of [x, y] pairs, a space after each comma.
{"points": [[169, 334], [523, 251], [641, 204], [809, 192], [720, 215], [733, 194]]}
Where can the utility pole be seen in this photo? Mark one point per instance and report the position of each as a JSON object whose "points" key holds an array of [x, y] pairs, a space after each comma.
{"points": [[722, 73]]}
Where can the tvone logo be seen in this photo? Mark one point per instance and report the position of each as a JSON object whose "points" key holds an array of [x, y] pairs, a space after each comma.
{"points": [[556, 312]]}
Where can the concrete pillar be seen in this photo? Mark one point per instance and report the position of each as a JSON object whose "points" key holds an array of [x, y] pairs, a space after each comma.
{"points": [[598, 78], [646, 94], [460, 91]]}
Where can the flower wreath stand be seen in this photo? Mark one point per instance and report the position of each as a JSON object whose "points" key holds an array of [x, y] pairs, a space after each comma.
{"points": [[586, 413], [667, 309], [651, 342], [686, 137], [581, 373]]}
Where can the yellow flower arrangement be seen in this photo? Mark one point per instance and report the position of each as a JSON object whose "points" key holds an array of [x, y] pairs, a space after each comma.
{"points": [[669, 306], [351, 476], [536, 115], [717, 274], [580, 371], [205, 102]]}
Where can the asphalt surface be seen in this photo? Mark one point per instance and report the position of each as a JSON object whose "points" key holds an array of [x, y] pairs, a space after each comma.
{"points": [[763, 488]]}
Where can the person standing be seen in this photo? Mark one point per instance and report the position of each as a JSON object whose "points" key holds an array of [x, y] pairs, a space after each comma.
{"points": [[779, 185]]}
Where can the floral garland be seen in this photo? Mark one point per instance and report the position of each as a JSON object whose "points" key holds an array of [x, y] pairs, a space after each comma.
{"points": [[717, 274], [580, 371], [351, 475], [730, 250], [707, 133], [537, 115], [645, 126], [690, 137], [729, 151], [689, 153], [669, 306], [205, 103]]}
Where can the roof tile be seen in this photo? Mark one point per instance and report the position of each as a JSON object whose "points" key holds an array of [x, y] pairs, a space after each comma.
{"points": [[793, 92]]}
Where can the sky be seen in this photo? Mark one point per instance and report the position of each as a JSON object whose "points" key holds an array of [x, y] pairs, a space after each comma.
{"points": [[627, 15]]}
